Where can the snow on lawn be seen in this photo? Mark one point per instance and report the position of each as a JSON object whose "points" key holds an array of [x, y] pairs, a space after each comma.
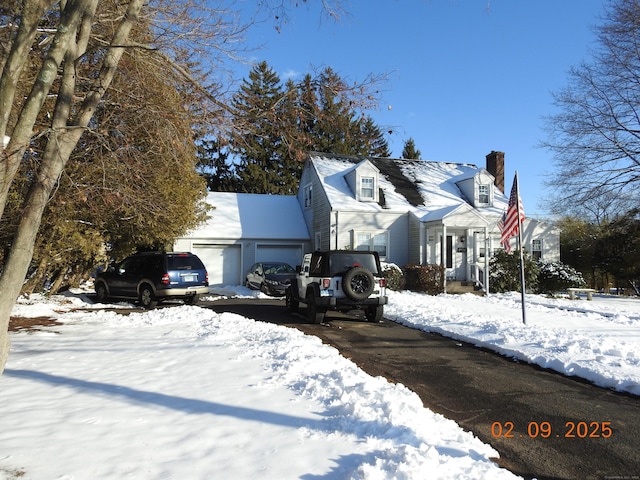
{"points": [[596, 340], [185, 392]]}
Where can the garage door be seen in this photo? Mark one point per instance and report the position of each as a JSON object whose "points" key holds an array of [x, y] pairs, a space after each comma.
{"points": [[291, 254], [222, 262]]}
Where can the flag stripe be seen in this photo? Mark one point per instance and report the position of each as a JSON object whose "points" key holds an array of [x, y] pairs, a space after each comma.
{"points": [[508, 225]]}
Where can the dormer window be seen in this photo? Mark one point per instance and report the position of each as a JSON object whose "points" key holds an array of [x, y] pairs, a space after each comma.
{"points": [[363, 180], [478, 190], [367, 185], [483, 194]]}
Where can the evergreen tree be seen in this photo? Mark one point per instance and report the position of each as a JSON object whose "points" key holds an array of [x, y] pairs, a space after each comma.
{"points": [[409, 151], [374, 143], [258, 141], [277, 126], [618, 250], [335, 129], [215, 166]]}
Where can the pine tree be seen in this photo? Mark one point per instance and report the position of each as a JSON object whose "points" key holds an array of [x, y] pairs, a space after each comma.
{"points": [[409, 151], [373, 140], [215, 167], [335, 128], [258, 142], [276, 127]]}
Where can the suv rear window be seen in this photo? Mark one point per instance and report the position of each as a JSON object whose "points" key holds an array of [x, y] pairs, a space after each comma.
{"points": [[184, 262], [341, 262]]}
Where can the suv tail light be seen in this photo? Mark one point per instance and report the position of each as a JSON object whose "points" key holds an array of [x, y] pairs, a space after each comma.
{"points": [[326, 283], [383, 282], [165, 279]]}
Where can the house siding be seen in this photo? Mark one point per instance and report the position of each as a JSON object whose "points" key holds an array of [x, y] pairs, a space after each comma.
{"points": [[394, 224], [318, 216], [549, 236], [414, 242]]}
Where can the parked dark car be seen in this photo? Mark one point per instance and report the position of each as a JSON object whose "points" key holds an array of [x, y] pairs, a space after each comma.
{"points": [[151, 277], [272, 278]]}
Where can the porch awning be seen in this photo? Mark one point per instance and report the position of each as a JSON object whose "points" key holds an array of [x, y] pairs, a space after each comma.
{"points": [[461, 215]]}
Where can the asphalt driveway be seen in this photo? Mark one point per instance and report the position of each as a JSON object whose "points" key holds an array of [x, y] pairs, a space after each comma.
{"points": [[544, 425]]}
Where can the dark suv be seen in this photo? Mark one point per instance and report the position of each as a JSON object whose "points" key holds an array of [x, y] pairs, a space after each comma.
{"points": [[150, 277]]}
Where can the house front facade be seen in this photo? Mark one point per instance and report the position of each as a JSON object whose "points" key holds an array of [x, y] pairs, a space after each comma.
{"points": [[415, 211]]}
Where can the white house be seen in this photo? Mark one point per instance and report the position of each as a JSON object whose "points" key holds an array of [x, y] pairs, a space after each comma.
{"points": [[414, 211], [409, 211]]}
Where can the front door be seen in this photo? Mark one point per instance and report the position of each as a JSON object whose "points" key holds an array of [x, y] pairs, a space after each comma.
{"points": [[455, 257]]}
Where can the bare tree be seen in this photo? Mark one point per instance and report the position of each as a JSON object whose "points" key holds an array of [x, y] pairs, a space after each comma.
{"points": [[595, 137]]}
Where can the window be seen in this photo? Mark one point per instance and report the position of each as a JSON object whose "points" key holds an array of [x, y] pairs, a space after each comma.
{"points": [[378, 242], [483, 194], [366, 188], [363, 241], [308, 196], [536, 249]]}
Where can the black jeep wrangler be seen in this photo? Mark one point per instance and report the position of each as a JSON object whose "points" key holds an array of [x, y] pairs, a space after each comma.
{"points": [[338, 280]]}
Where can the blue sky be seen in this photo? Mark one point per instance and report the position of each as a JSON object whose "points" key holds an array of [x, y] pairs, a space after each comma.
{"points": [[464, 76]]}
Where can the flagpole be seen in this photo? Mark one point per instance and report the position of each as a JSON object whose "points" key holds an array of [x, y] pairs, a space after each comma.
{"points": [[522, 282]]}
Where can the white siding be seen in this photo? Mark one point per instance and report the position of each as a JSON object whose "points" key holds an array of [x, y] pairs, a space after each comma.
{"points": [[397, 225]]}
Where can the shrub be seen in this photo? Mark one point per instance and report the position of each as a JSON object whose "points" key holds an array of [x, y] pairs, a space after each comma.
{"points": [[556, 277], [424, 278], [504, 271], [394, 276]]}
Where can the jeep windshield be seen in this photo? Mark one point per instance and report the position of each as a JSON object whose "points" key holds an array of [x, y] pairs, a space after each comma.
{"points": [[341, 262]]}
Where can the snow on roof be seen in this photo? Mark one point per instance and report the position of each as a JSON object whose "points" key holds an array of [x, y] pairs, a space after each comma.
{"points": [[247, 215], [435, 183]]}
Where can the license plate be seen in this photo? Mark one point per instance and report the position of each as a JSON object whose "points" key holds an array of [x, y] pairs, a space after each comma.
{"points": [[189, 278], [326, 293]]}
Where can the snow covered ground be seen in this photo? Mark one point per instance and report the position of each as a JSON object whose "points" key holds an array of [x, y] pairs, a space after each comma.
{"points": [[185, 392]]}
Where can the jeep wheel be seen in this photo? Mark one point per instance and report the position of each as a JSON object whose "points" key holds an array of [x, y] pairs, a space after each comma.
{"points": [[291, 302], [147, 299], [374, 313], [358, 283], [101, 293], [314, 314]]}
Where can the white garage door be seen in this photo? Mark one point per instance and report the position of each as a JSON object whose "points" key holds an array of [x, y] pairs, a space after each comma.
{"points": [[222, 262], [291, 254]]}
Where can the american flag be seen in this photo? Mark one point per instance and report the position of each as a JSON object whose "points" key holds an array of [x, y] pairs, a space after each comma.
{"points": [[508, 224]]}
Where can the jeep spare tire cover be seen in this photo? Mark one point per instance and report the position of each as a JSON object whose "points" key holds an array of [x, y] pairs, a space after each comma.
{"points": [[358, 283]]}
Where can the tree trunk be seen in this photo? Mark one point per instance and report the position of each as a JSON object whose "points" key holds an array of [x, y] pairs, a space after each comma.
{"points": [[37, 279], [55, 286]]}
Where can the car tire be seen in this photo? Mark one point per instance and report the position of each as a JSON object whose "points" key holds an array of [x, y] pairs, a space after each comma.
{"points": [[146, 298], [314, 314], [374, 313], [358, 284], [291, 302], [102, 296]]}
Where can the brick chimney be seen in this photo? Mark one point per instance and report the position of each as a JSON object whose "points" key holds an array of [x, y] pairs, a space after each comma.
{"points": [[495, 166]]}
